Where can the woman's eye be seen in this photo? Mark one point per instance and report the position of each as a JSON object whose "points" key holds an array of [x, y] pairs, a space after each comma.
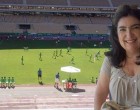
{"points": [[136, 27]]}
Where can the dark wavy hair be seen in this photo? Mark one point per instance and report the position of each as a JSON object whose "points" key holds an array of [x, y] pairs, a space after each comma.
{"points": [[117, 54]]}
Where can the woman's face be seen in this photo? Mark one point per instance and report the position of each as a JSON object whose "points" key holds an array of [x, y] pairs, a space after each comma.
{"points": [[128, 31]]}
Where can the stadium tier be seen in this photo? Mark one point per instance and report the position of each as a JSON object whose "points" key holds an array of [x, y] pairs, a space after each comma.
{"points": [[69, 19], [97, 3]]}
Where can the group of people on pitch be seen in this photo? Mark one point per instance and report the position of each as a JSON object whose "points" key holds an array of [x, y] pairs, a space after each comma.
{"points": [[7, 82]]}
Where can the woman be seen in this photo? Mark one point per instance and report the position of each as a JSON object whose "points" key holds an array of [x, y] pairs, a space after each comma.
{"points": [[120, 72]]}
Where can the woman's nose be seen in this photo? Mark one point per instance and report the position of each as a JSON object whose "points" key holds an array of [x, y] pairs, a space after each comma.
{"points": [[129, 33]]}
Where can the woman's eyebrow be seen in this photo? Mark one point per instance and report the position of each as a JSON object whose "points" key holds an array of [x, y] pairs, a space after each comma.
{"points": [[135, 25], [122, 27], [130, 26]]}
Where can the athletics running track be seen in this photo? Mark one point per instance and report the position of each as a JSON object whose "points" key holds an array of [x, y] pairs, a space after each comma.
{"points": [[46, 97]]}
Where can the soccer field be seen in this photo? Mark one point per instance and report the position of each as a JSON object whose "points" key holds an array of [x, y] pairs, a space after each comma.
{"points": [[26, 73]]}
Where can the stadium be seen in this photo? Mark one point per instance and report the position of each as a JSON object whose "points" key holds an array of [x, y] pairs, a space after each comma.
{"points": [[51, 34]]}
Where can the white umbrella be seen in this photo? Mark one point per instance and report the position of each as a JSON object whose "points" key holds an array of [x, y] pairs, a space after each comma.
{"points": [[70, 69]]}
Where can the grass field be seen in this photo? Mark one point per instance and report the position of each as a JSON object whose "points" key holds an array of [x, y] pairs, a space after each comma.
{"points": [[10, 65]]}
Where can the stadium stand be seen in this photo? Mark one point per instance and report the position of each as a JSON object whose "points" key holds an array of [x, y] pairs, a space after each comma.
{"points": [[101, 20], [35, 19], [118, 2], [58, 19], [11, 1], [14, 19], [79, 20], [89, 20], [47, 2], [98, 3]]}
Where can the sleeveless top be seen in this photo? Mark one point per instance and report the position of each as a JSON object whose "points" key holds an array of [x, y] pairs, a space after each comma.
{"points": [[124, 89]]}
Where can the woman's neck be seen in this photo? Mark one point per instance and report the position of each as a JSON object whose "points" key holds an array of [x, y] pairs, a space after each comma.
{"points": [[133, 54], [130, 66]]}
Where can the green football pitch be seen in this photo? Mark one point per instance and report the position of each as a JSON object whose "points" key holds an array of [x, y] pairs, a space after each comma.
{"points": [[26, 73]]}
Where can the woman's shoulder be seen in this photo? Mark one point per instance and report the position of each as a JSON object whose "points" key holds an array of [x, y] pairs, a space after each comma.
{"points": [[106, 66], [107, 59]]}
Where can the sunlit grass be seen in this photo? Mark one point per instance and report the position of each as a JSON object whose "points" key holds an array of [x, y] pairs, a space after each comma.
{"points": [[10, 64]]}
